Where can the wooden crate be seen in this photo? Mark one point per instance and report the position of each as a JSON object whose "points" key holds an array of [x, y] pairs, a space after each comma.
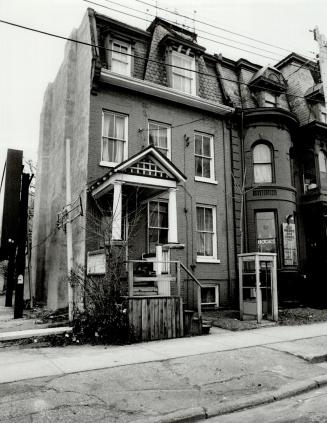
{"points": [[156, 317]]}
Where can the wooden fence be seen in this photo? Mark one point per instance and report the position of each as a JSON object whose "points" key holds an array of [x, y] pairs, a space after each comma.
{"points": [[156, 317]]}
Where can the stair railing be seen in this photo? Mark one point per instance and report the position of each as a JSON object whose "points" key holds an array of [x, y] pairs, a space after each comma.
{"points": [[199, 286]]}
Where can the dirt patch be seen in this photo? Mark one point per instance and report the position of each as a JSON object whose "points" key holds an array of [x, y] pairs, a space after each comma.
{"points": [[302, 316]]}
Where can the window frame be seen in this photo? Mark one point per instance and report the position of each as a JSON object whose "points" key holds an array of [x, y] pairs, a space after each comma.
{"points": [[214, 257], [270, 99], [271, 163], [128, 55], [275, 214], [125, 150], [177, 71], [212, 178], [168, 127], [216, 288], [162, 201]]}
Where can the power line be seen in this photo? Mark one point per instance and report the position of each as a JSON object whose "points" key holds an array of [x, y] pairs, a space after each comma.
{"points": [[138, 57], [208, 39], [200, 30], [215, 26]]}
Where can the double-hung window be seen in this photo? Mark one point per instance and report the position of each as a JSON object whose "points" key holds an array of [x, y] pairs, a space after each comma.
{"points": [[121, 57], [206, 233], [183, 75], [204, 157], [157, 224], [262, 163], [114, 138], [160, 137]]}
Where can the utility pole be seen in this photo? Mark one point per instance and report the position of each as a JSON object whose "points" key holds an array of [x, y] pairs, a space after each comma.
{"points": [[69, 235], [21, 244]]}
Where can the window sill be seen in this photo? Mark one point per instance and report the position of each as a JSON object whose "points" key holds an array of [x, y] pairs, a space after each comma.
{"points": [[108, 164], [200, 259], [205, 180]]}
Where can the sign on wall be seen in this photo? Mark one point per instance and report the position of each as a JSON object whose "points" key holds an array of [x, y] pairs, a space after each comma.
{"points": [[96, 263], [289, 242]]}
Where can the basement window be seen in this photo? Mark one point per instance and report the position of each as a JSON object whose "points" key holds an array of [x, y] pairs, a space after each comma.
{"points": [[210, 296]]}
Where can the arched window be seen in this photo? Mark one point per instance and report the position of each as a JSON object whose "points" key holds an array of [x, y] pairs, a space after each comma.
{"points": [[262, 163]]}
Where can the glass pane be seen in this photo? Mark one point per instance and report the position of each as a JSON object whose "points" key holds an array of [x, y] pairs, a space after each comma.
{"points": [[153, 239], [163, 236], [163, 220], [206, 147], [200, 244], [198, 144], [208, 245], [208, 295], [208, 220], [322, 162], [198, 166], [154, 215], [206, 168], [187, 86], [261, 154], [200, 218], [262, 173], [105, 153], [163, 137], [177, 82], [120, 127], [265, 225], [108, 125]]}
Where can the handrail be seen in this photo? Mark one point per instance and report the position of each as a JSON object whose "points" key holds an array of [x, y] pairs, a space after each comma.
{"points": [[191, 275], [199, 301]]}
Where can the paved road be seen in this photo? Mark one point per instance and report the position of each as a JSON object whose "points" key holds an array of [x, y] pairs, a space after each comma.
{"points": [[310, 407]]}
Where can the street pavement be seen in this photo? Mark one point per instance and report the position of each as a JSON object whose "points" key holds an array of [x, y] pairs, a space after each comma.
{"points": [[186, 379]]}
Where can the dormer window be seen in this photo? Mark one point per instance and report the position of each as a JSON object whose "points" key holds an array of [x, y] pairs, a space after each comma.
{"points": [[183, 75], [119, 56], [323, 114], [270, 99]]}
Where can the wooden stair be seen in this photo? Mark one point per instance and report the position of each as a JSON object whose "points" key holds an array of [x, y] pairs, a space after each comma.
{"points": [[145, 289], [193, 325]]}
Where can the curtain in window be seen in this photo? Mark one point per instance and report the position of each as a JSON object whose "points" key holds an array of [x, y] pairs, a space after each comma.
{"points": [[262, 163], [113, 138], [204, 218]]}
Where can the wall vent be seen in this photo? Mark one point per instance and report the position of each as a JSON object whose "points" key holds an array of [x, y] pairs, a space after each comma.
{"points": [[264, 192]]}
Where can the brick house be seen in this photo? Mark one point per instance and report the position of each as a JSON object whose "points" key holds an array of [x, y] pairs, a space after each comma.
{"points": [[158, 125]]}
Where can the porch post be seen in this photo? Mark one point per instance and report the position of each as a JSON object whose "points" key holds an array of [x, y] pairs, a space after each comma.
{"points": [[172, 216], [117, 211]]}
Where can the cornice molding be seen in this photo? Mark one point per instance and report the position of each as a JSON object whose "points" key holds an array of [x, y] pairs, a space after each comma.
{"points": [[162, 92]]}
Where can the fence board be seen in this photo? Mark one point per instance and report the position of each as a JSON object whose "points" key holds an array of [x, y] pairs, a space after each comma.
{"points": [[156, 317]]}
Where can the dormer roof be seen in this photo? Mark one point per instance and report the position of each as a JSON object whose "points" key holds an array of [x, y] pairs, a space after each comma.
{"points": [[268, 77]]}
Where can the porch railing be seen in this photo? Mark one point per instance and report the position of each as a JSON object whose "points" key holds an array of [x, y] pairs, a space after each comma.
{"points": [[176, 278]]}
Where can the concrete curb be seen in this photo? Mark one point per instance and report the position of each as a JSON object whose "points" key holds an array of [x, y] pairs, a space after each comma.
{"points": [[198, 413], [32, 333]]}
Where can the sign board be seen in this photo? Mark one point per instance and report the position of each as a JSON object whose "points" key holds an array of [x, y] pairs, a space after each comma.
{"points": [[289, 242], [96, 262], [267, 245]]}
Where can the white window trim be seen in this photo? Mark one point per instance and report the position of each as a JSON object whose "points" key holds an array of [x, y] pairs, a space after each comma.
{"points": [[192, 68], [125, 153], [129, 52], [216, 287], [213, 258], [168, 135], [160, 200], [212, 179]]}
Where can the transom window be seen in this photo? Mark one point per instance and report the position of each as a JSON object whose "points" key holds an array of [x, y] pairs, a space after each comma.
{"points": [[262, 163], [203, 152], [114, 138], [160, 137], [157, 224], [183, 79], [120, 57], [266, 231], [206, 233]]}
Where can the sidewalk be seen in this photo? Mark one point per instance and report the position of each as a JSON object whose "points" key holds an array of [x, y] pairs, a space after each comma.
{"points": [[180, 379]]}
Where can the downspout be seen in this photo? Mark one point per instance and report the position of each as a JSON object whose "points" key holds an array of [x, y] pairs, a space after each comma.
{"points": [[226, 218]]}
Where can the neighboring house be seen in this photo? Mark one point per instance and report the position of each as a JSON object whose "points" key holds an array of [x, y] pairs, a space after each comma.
{"points": [[160, 126]]}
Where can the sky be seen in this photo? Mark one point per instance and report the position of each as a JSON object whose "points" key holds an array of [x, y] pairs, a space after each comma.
{"points": [[29, 61]]}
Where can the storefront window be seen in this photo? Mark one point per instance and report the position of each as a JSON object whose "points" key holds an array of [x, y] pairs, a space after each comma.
{"points": [[266, 232]]}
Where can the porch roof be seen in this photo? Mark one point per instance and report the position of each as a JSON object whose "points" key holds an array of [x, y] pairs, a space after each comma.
{"points": [[157, 171]]}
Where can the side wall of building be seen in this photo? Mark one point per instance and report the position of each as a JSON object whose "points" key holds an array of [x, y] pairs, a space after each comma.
{"points": [[65, 115]]}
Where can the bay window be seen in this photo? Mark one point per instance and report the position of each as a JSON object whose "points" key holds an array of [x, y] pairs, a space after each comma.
{"points": [[114, 138]]}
